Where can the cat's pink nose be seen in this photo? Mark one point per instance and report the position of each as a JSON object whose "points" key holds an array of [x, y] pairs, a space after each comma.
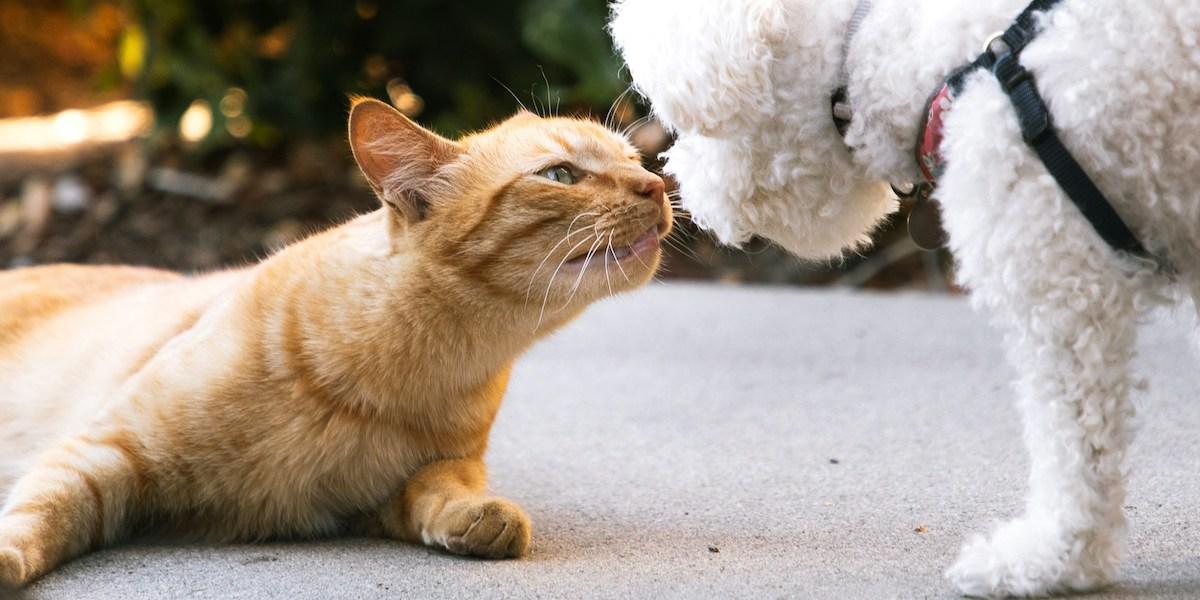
{"points": [[651, 188]]}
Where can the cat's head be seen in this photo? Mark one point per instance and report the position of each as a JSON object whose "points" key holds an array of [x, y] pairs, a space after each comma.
{"points": [[552, 212]]}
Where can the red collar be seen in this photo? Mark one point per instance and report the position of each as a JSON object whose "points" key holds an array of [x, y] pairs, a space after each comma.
{"points": [[929, 142]]}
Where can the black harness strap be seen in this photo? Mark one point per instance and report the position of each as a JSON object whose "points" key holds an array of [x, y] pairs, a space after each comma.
{"points": [[1002, 58]]}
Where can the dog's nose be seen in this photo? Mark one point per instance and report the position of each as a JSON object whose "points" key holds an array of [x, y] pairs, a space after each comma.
{"points": [[650, 187]]}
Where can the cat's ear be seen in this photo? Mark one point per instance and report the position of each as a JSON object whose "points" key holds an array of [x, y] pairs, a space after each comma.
{"points": [[400, 159]]}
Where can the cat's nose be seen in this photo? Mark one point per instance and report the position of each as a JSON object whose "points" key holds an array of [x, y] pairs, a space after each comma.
{"points": [[651, 188]]}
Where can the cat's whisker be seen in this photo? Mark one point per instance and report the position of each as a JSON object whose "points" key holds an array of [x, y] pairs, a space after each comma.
{"points": [[549, 102], [635, 125], [672, 245], [619, 266], [683, 249], [639, 258], [529, 288], [607, 250], [567, 238], [679, 212], [578, 217], [533, 98], [511, 93], [681, 235], [583, 271], [684, 233], [612, 108], [550, 285]]}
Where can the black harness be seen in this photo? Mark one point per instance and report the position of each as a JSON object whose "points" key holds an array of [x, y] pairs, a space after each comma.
{"points": [[1002, 58]]}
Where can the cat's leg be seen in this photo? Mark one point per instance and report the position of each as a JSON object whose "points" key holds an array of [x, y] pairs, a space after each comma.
{"points": [[1072, 342], [76, 497], [444, 505]]}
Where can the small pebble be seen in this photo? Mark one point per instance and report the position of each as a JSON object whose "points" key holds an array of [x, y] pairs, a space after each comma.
{"points": [[714, 549], [71, 194], [10, 218]]}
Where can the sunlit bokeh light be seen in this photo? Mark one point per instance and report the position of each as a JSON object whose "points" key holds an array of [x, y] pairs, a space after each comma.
{"points": [[233, 104], [276, 42], [376, 67], [404, 99], [111, 123], [196, 121], [239, 126], [70, 127], [366, 9]]}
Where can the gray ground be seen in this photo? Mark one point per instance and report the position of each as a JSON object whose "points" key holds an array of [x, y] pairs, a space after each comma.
{"points": [[687, 442]]}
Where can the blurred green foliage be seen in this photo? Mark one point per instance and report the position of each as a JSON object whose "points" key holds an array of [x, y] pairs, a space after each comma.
{"points": [[298, 60]]}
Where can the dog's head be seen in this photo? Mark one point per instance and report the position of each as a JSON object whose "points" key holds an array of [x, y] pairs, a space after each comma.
{"points": [[745, 85]]}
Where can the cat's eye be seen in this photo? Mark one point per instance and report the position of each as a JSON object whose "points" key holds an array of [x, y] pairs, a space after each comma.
{"points": [[560, 173]]}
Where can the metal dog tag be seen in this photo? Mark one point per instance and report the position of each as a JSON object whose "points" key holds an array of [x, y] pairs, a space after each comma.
{"points": [[925, 224]]}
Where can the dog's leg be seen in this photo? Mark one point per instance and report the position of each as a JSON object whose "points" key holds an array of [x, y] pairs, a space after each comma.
{"points": [[1072, 339], [1068, 306], [1073, 353]]}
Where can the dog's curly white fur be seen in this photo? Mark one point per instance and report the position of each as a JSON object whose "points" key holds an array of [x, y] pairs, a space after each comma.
{"points": [[746, 85]]}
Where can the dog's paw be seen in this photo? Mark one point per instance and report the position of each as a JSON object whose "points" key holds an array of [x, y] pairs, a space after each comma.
{"points": [[488, 528], [12, 568], [1030, 558]]}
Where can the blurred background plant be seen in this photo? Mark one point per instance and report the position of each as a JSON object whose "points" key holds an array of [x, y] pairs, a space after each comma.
{"points": [[193, 134], [279, 71]]}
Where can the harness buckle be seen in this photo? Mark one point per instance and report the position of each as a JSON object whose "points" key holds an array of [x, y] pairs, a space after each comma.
{"points": [[992, 39], [1010, 72]]}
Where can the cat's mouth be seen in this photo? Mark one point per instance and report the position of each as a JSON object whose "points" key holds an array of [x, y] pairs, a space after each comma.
{"points": [[643, 245]]}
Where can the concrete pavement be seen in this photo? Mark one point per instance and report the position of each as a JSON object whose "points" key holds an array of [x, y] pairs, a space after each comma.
{"points": [[697, 441]]}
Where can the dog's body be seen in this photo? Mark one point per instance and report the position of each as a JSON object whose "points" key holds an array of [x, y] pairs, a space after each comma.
{"points": [[758, 153]]}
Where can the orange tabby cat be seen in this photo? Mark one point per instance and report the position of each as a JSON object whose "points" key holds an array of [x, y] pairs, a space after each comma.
{"points": [[347, 383]]}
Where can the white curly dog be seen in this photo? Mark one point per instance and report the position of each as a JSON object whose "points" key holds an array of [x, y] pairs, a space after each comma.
{"points": [[746, 85]]}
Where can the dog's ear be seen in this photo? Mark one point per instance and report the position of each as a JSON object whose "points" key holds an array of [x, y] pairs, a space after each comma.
{"points": [[705, 66]]}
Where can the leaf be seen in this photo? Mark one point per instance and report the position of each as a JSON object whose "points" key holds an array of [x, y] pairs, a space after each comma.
{"points": [[131, 52]]}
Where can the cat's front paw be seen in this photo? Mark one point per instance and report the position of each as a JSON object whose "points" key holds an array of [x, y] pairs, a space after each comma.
{"points": [[486, 527], [12, 568], [1027, 558]]}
